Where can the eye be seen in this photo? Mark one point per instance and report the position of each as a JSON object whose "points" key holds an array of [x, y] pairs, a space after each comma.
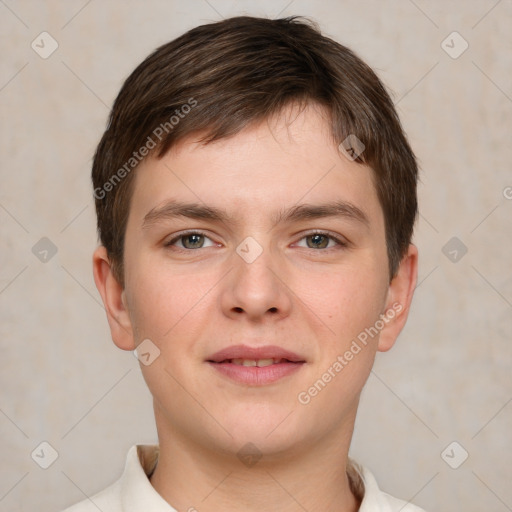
{"points": [[320, 240], [191, 240]]}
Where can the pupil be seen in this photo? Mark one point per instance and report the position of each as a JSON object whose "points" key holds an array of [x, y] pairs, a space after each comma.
{"points": [[319, 241], [193, 241]]}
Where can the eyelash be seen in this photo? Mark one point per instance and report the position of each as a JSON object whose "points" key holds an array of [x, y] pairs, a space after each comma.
{"points": [[184, 234], [341, 243]]}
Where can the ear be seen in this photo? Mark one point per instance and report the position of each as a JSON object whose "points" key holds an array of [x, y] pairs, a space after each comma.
{"points": [[399, 298], [114, 300]]}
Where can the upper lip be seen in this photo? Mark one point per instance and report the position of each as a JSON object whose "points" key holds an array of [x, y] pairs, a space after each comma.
{"points": [[255, 353]]}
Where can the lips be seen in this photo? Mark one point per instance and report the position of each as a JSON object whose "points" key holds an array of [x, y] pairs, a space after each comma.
{"points": [[255, 366], [244, 352]]}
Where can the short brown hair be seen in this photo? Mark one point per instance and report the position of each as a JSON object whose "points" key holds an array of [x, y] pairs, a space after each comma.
{"points": [[218, 78]]}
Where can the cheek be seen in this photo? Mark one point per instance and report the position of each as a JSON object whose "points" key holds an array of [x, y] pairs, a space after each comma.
{"points": [[346, 301], [345, 307], [164, 303]]}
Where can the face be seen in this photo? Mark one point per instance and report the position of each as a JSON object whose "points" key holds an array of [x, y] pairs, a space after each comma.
{"points": [[255, 265]]}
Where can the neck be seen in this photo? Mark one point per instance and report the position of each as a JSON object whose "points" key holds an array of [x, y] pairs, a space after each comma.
{"points": [[195, 478]]}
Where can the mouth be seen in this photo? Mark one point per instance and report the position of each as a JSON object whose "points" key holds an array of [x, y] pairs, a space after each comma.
{"points": [[260, 363], [255, 366]]}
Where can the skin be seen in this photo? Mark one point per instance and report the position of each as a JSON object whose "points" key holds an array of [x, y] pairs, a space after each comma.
{"points": [[300, 294]]}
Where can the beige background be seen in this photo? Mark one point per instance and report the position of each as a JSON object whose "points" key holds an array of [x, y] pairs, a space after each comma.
{"points": [[449, 376]]}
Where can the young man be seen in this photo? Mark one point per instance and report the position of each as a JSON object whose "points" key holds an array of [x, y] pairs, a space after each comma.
{"points": [[256, 198]]}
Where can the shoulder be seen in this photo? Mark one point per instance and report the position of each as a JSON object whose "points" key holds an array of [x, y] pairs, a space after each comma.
{"points": [[375, 500], [108, 499], [400, 506], [132, 491]]}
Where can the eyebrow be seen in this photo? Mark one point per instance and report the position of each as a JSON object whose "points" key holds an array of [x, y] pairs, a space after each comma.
{"points": [[173, 209], [334, 209]]}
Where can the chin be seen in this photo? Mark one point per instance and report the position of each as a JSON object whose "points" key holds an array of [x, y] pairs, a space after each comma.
{"points": [[269, 427]]}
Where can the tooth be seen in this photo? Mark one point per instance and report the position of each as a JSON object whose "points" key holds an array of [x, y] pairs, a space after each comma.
{"points": [[256, 362], [264, 362]]}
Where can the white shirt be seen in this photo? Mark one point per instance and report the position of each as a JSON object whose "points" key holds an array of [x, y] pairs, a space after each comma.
{"points": [[133, 492]]}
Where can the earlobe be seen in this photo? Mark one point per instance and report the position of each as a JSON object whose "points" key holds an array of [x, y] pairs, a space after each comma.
{"points": [[114, 300], [399, 298]]}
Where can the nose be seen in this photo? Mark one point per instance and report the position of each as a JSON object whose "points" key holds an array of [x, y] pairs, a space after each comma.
{"points": [[256, 290]]}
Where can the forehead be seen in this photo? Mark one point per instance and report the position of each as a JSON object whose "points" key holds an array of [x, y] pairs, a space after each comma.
{"points": [[285, 160]]}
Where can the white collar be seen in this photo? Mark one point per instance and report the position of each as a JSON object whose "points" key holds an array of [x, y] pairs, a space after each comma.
{"points": [[135, 492]]}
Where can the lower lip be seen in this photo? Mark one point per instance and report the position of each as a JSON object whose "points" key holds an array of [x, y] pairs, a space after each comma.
{"points": [[255, 375]]}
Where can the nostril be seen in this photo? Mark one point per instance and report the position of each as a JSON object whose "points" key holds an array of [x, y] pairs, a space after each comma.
{"points": [[238, 309]]}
